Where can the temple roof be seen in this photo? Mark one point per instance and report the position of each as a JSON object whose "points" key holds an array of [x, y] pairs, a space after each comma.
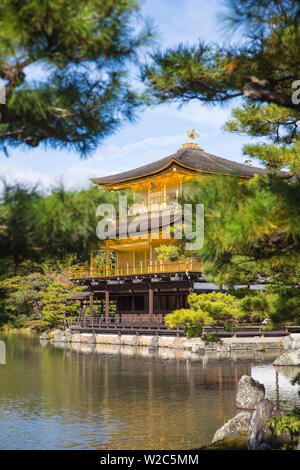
{"points": [[193, 159], [81, 295]]}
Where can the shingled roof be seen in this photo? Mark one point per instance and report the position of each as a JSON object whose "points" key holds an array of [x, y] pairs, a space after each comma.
{"points": [[194, 159]]}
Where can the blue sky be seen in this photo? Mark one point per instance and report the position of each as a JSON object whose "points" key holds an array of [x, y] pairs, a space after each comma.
{"points": [[159, 131]]}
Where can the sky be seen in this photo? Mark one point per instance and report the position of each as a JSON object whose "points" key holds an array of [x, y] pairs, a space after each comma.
{"points": [[158, 132]]}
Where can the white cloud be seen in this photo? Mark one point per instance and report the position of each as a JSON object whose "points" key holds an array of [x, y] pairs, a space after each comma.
{"points": [[107, 160], [112, 159], [159, 132]]}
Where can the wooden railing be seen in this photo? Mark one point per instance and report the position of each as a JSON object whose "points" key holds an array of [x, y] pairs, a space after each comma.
{"points": [[156, 267], [147, 324], [154, 325]]}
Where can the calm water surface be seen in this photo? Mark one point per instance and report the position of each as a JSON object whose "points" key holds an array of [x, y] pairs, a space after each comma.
{"points": [[106, 397]]}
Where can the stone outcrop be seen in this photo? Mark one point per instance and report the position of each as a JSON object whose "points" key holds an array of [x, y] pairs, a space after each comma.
{"points": [[234, 427], [44, 336], [193, 345], [58, 336], [198, 348], [292, 341], [249, 393], [291, 358], [154, 345], [289, 372], [259, 437]]}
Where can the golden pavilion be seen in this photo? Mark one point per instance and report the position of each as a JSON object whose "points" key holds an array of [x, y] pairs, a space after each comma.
{"points": [[140, 284]]}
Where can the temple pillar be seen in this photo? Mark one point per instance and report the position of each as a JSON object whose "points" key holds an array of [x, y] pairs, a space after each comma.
{"points": [[150, 301], [91, 304], [177, 299], [107, 304], [107, 270], [159, 301], [92, 261]]}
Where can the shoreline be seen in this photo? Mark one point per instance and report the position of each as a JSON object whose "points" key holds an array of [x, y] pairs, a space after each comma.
{"points": [[196, 345]]}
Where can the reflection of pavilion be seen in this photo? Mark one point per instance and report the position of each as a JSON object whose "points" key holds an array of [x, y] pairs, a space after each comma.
{"points": [[152, 402]]}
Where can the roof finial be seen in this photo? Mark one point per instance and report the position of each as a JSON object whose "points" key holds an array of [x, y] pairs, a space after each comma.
{"points": [[192, 134]]}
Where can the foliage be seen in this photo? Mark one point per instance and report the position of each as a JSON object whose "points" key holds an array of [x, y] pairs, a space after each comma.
{"points": [[53, 226], [209, 338], [288, 423], [170, 252], [286, 308], [250, 221], [279, 126], [100, 259], [36, 296], [21, 297], [254, 304], [251, 226], [56, 309], [26, 300], [275, 306], [17, 221], [232, 443], [216, 309], [191, 320], [80, 54], [261, 69], [40, 237], [296, 380]]}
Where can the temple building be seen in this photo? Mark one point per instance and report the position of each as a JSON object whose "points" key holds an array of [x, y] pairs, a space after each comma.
{"points": [[134, 277]]}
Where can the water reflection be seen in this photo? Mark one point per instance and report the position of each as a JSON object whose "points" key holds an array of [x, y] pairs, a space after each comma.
{"points": [[118, 397]]}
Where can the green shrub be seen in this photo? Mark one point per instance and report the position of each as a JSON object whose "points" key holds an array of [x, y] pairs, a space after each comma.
{"points": [[215, 309], [210, 338], [56, 309], [191, 320], [288, 423]]}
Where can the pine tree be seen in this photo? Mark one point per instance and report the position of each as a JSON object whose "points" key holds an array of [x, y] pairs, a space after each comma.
{"points": [[262, 69], [56, 309], [36, 226], [252, 229], [79, 52]]}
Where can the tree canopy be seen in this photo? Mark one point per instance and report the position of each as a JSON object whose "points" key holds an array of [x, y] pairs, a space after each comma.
{"points": [[79, 54], [262, 68], [251, 226], [39, 227]]}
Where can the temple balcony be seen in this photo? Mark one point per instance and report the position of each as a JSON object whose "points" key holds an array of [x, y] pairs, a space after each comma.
{"points": [[155, 267], [157, 205]]}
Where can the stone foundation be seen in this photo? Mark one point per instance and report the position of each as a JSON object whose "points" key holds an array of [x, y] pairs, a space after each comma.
{"points": [[173, 342]]}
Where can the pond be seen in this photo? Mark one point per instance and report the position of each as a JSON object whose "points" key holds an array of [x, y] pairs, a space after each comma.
{"points": [[110, 397]]}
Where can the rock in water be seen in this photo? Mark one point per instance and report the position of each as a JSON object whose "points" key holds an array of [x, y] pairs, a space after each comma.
{"points": [[154, 344], [249, 393], [198, 349], [291, 358], [59, 337], [233, 427], [259, 437], [292, 341], [44, 336]]}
